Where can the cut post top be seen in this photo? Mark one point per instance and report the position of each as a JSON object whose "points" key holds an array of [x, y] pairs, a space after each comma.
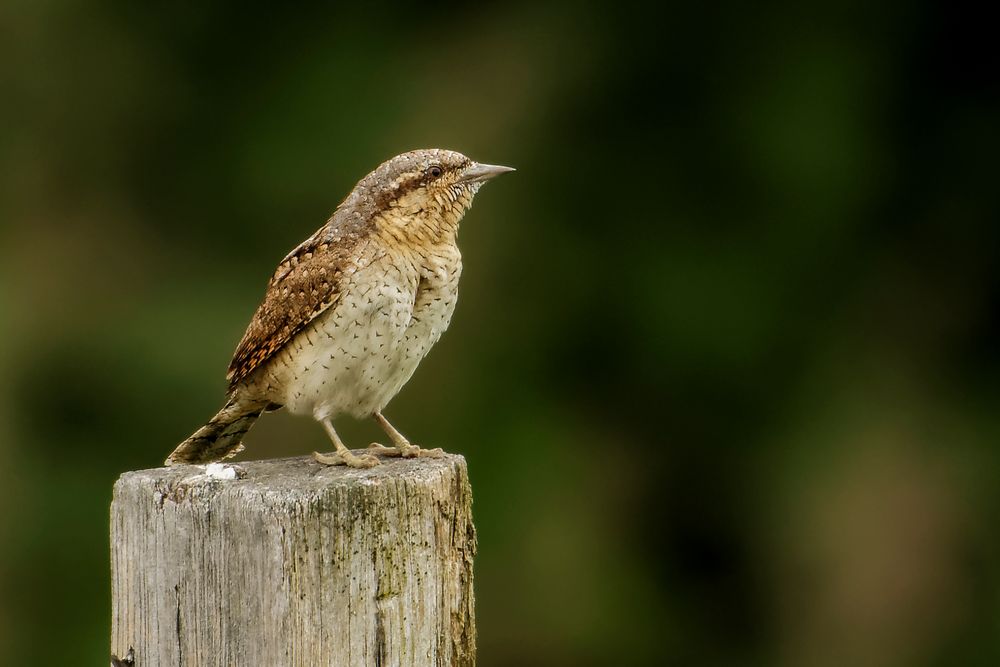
{"points": [[295, 476]]}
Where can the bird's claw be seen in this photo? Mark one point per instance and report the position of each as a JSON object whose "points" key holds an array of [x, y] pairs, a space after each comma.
{"points": [[346, 459], [435, 453], [407, 451]]}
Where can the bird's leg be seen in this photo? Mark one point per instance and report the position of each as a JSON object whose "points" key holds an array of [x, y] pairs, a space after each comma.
{"points": [[402, 447], [343, 455]]}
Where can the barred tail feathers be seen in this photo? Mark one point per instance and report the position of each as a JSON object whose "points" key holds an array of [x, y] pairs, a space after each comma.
{"points": [[220, 438]]}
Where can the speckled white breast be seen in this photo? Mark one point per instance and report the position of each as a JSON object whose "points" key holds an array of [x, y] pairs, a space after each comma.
{"points": [[358, 354]]}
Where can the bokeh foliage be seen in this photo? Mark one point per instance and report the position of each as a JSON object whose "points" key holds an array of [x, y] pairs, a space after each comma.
{"points": [[725, 362]]}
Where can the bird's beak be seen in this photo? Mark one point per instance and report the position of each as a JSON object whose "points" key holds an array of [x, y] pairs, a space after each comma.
{"points": [[480, 173]]}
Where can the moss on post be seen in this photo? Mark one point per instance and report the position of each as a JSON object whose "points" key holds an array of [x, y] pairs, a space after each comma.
{"points": [[288, 562]]}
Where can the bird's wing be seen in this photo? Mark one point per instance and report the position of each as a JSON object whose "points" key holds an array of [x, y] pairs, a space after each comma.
{"points": [[305, 284]]}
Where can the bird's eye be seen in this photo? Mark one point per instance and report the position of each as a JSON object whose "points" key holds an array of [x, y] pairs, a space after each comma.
{"points": [[434, 171]]}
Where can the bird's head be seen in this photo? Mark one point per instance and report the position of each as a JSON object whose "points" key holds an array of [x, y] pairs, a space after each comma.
{"points": [[427, 189]]}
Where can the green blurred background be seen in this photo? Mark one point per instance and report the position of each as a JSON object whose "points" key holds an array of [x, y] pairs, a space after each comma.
{"points": [[725, 365]]}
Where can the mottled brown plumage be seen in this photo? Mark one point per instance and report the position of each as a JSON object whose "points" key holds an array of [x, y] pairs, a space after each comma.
{"points": [[350, 312], [305, 285]]}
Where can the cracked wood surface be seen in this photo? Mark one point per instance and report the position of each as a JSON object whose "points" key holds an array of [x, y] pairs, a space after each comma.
{"points": [[295, 563]]}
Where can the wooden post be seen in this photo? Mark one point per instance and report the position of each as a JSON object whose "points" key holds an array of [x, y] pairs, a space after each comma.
{"points": [[288, 562]]}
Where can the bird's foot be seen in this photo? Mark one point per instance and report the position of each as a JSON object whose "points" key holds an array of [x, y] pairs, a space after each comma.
{"points": [[346, 458], [406, 451]]}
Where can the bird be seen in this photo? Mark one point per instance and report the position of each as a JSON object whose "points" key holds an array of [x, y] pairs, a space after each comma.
{"points": [[351, 311]]}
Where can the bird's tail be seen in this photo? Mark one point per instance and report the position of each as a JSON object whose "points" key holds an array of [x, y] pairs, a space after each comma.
{"points": [[220, 438]]}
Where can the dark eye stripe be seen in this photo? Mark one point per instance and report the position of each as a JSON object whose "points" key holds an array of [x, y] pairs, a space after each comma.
{"points": [[411, 183]]}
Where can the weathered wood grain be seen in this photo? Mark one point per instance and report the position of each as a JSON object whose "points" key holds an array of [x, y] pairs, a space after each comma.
{"points": [[295, 563]]}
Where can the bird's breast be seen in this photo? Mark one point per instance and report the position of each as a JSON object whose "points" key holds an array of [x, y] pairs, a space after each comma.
{"points": [[358, 354]]}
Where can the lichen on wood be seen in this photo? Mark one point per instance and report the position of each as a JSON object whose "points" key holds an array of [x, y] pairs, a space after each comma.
{"points": [[295, 563]]}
